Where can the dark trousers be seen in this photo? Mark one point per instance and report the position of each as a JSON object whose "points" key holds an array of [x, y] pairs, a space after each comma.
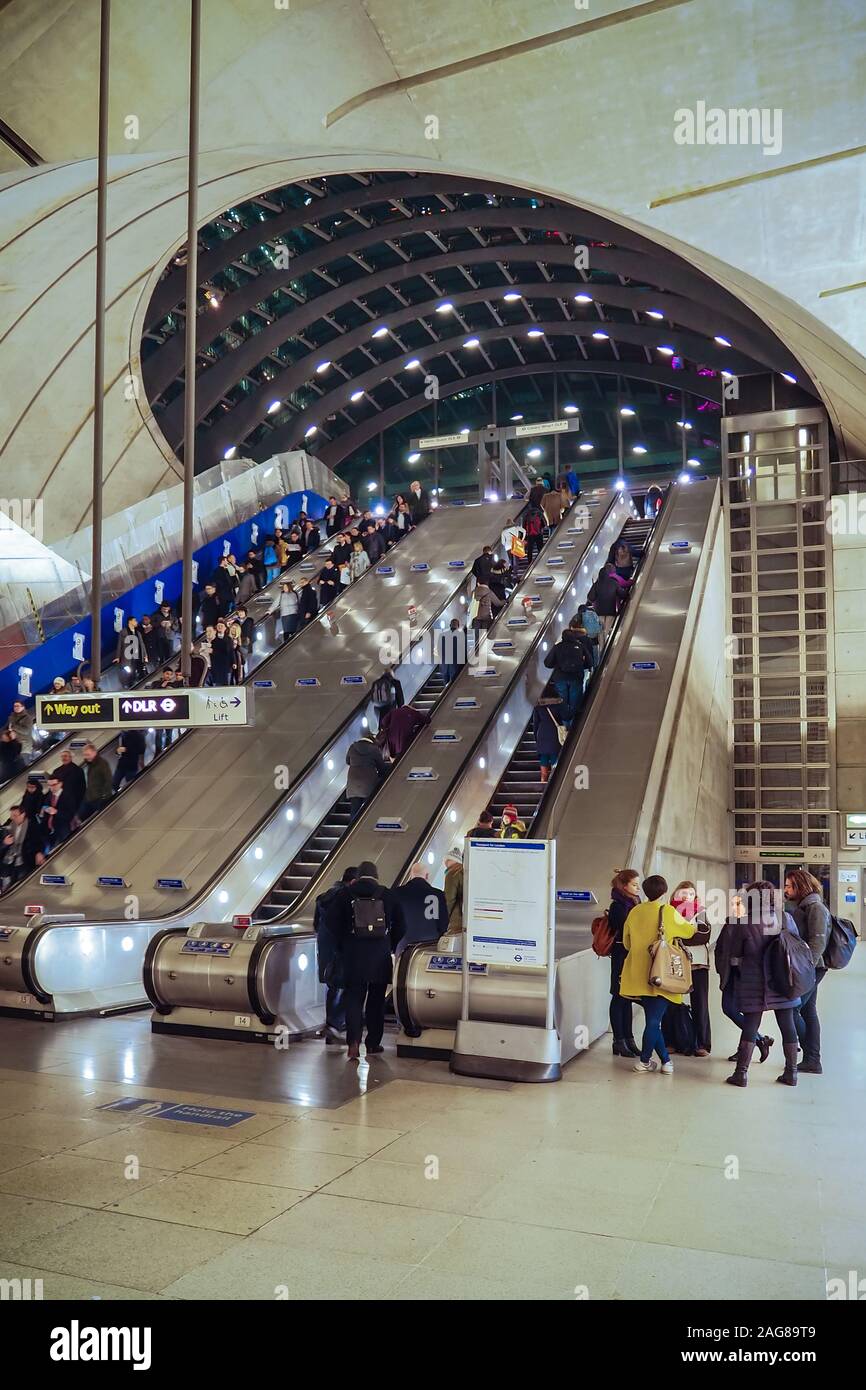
{"points": [[448, 672], [700, 1004], [654, 1009], [125, 770], [290, 626], [570, 690], [355, 805], [335, 1009], [533, 547], [807, 1023], [784, 1018], [365, 1004], [621, 1023], [89, 808]]}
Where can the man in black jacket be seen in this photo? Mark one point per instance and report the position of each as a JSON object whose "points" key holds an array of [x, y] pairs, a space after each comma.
{"points": [[569, 661], [419, 502], [210, 608], [23, 846], [335, 516], [423, 909], [483, 564], [370, 924], [72, 777], [58, 812], [329, 912]]}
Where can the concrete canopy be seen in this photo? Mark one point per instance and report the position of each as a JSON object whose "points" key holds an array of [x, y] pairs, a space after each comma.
{"points": [[580, 105]]}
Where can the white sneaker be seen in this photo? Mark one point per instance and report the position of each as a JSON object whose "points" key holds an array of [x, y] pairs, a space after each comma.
{"points": [[668, 1068], [651, 1065]]}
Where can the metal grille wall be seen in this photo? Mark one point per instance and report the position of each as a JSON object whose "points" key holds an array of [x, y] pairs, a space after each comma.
{"points": [[776, 479]]}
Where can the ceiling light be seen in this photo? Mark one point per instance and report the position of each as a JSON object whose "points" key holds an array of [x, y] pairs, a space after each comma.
{"points": [[693, 463], [788, 377], [535, 333], [654, 314], [308, 434], [639, 449], [627, 410], [533, 453], [723, 342], [356, 395], [472, 342], [230, 453], [371, 487], [569, 410], [517, 417], [667, 351], [413, 365], [380, 332], [620, 487], [511, 296], [413, 458], [583, 299], [274, 406], [464, 429], [585, 448], [323, 367], [445, 308], [685, 477], [599, 334]]}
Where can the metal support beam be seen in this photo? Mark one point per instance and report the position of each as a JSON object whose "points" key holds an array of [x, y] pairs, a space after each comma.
{"points": [[191, 300], [99, 344]]}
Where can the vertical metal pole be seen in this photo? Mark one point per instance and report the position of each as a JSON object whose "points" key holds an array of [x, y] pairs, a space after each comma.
{"points": [[191, 302], [556, 417], [99, 345], [684, 431], [550, 1004], [382, 467], [619, 425], [436, 451]]}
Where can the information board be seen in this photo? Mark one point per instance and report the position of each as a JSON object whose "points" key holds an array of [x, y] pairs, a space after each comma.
{"points": [[200, 708], [509, 908]]}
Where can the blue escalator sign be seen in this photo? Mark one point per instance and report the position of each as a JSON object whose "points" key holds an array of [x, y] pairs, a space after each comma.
{"points": [[457, 564], [532, 598], [384, 569], [54, 880], [195, 946], [516, 622], [446, 736], [174, 884], [566, 545], [421, 567], [390, 823], [422, 774], [575, 895], [265, 685], [110, 881], [305, 682], [502, 644], [455, 963], [681, 545], [554, 560], [644, 666], [351, 680], [546, 578], [466, 702]]}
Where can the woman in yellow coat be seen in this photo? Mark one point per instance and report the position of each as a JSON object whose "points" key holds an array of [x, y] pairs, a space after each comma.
{"points": [[639, 933]]}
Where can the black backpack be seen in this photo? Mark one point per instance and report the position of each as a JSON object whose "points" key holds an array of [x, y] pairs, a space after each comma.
{"points": [[368, 919], [570, 659], [383, 691], [790, 970], [841, 941]]}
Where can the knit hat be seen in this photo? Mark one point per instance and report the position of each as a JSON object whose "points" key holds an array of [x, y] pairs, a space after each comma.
{"points": [[510, 812], [454, 855]]}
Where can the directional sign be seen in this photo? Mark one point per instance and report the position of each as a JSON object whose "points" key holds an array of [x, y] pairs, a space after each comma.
{"points": [[72, 711], [264, 685], [446, 736], [502, 644], [442, 441], [457, 564], [547, 578], [420, 567], [111, 881], [554, 560], [54, 880], [545, 427], [173, 885], [644, 668], [384, 569], [307, 682], [516, 622], [352, 680], [150, 709], [199, 708], [565, 545], [390, 824], [575, 895], [483, 671], [680, 545]]}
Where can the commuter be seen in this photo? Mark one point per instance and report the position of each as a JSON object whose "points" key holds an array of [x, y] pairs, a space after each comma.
{"points": [[652, 502], [11, 761], [483, 564], [88, 685], [340, 550], [221, 655], [454, 888], [370, 924], [687, 1030], [131, 653], [547, 732], [573, 483], [286, 605], [165, 630], [534, 523], [308, 603], [752, 937], [130, 758], [624, 895], [422, 909], [589, 620], [335, 517], [271, 560], [60, 687], [33, 799], [806, 905], [419, 502], [401, 519], [367, 769], [312, 537], [451, 650], [329, 584], [621, 556], [327, 919], [20, 723], [500, 575], [221, 580], [399, 727], [536, 494], [604, 598], [551, 504], [257, 565], [293, 548], [152, 645], [359, 561], [247, 584], [511, 826], [345, 577], [23, 846], [570, 660], [513, 545], [210, 608], [57, 814], [97, 776], [386, 693], [71, 776], [374, 545], [483, 606], [238, 671], [75, 685], [728, 970], [643, 926], [484, 830], [247, 627], [199, 664]]}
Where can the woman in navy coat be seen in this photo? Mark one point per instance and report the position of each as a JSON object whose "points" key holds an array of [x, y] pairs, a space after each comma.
{"points": [[747, 943]]}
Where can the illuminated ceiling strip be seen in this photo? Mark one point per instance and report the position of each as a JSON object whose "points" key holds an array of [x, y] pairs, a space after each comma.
{"points": [[843, 289], [758, 177], [501, 55]]}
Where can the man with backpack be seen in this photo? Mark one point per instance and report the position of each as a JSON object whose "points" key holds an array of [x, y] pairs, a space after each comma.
{"points": [[370, 925], [569, 661], [330, 908], [386, 694], [534, 524]]}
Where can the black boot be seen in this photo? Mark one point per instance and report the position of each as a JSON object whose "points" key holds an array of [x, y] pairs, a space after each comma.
{"points": [[633, 1049], [740, 1076], [620, 1048], [811, 1066], [764, 1045], [789, 1075]]}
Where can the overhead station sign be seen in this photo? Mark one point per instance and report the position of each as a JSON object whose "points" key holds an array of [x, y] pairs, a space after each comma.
{"points": [[544, 427], [196, 708], [443, 441]]}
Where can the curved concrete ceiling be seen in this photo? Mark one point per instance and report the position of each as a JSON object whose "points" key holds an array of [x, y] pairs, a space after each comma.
{"points": [[515, 91]]}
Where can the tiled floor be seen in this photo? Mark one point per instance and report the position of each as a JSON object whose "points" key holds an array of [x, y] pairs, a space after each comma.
{"points": [[398, 1180]]}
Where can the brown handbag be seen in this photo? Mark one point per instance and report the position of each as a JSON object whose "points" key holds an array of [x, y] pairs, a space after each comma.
{"points": [[670, 964]]}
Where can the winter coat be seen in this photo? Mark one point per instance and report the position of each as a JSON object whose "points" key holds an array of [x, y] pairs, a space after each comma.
{"points": [[399, 727], [481, 567], [367, 768], [487, 603], [545, 729], [551, 504], [367, 962], [98, 776], [564, 653], [454, 897], [423, 910], [451, 646], [746, 947], [72, 777], [374, 545], [131, 649], [327, 924], [812, 921], [359, 563], [246, 588], [640, 931], [536, 494], [419, 505], [604, 595], [210, 608], [22, 727], [308, 603], [620, 906]]}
